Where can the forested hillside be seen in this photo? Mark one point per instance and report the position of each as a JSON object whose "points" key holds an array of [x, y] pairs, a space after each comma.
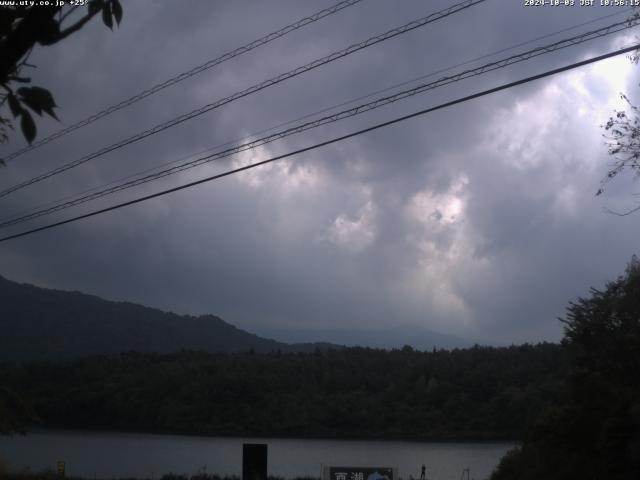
{"points": [[41, 324], [477, 393]]}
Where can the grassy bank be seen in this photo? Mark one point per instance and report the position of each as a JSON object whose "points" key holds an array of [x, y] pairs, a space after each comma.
{"points": [[51, 475]]}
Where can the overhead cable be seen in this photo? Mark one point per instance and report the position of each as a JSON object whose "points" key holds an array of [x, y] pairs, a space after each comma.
{"points": [[351, 112], [255, 88], [246, 138], [188, 74], [327, 142]]}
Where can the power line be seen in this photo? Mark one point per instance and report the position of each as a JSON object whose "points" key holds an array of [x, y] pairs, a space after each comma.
{"points": [[357, 110], [190, 73], [255, 88], [329, 142], [309, 115]]}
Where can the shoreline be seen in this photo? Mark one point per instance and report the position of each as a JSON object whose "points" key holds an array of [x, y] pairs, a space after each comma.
{"points": [[480, 439], [135, 456]]}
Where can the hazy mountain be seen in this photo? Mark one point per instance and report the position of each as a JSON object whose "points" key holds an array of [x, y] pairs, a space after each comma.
{"points": [[40, 323], [418, 337]]}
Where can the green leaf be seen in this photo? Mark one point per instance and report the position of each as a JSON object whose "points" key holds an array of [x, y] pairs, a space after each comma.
{"points": [[106, 15], [7, 16], [28, 126], [48, 31], [116, 8], [14, 105], [38, 99], [51, 113]]}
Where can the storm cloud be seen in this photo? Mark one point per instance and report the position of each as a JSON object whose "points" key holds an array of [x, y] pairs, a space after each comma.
{"points": [[479, 220]]}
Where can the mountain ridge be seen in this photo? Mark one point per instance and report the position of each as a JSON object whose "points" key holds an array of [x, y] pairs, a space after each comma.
{"points": [[49, 324], [416, 336]]}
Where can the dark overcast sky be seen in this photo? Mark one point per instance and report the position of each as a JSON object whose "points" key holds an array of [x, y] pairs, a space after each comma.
{"points": [[479, 220]]}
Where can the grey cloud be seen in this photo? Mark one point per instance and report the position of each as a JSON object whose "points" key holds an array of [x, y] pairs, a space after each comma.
{"points": [[257, 249]]}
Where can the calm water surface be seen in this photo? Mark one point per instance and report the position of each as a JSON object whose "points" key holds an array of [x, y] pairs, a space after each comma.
{"points": [[111, 455]]}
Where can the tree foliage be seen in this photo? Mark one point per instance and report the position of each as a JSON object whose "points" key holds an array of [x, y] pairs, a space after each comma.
{"points": [[623, 139], [15, 414], [22, 27], [480, 393], [622, 132], [594, 432]]}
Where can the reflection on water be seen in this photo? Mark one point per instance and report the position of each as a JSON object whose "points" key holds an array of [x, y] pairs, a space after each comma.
{"points": [[113, 455]]}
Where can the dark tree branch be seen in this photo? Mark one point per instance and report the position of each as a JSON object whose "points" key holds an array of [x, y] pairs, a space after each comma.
{"points": [[76, 26], [21, 28], [23, 38]]}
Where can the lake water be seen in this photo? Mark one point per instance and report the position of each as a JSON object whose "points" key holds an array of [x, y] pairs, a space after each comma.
{"points": [[113, 455]]}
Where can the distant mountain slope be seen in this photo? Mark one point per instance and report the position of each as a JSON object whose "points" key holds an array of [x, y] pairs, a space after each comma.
{"points": [[39, 323], [416, 336]]}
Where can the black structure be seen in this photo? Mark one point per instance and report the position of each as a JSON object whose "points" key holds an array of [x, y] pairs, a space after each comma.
{"points": [[254, 461]]}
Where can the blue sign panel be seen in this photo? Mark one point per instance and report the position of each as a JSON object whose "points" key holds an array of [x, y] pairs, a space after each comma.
{"points": [[360, 473]]}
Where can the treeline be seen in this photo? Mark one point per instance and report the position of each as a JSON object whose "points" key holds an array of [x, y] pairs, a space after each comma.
{"points": [[479, 393]]}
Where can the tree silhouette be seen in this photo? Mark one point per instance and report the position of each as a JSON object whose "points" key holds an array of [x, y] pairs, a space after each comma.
{"points": [[594, 431], [21, 29], [15, 414], [623, 138]]}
